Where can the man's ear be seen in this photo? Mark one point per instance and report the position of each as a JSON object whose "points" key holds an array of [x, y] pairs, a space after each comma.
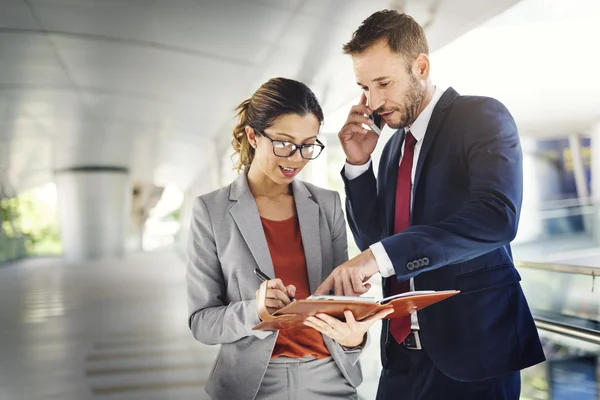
{"points": [[422, 66]]}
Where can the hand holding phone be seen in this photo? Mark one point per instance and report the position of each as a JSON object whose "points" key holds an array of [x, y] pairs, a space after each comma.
{"points": [[357, 141]]}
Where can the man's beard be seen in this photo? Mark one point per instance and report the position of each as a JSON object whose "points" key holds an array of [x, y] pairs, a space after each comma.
{"points": [[412, 102]]}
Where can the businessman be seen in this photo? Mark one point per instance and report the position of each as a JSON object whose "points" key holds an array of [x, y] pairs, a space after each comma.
{"points": [[440, 215]]}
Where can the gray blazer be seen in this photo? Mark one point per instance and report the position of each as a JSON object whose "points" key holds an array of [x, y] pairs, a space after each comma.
{"points": [[227, 243]]}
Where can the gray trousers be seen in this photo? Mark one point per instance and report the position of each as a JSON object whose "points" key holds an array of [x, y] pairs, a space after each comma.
{"points": [[307, 378]]}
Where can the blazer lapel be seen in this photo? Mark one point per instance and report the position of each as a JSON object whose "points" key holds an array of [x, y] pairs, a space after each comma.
{"points": [[439, 113], [246, 216], [308, 216]]}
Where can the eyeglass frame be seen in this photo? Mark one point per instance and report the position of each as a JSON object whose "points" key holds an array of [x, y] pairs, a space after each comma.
{"points": [[296, 146]]}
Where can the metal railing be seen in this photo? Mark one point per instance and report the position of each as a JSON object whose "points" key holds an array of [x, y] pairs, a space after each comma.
{"points": [[576, 332], [569, 269], [551, 325]]}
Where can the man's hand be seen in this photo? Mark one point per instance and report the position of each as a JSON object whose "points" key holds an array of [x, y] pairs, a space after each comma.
{"points": [[349, 333], [358, 143], [349, 279]]}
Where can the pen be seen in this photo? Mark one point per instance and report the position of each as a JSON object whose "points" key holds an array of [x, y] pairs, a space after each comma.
{"points": [[264, 277]]}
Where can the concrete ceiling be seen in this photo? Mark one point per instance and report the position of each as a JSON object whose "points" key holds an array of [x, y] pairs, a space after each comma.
{"points": [[151, 85]]}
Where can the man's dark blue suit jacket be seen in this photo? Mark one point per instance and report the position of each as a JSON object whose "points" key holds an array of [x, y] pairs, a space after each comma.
{"points": [[467, 197]]}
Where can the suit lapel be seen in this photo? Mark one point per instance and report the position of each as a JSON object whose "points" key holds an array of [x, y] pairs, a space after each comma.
{"points": [[308, 216], [437, 117], [246, 217]]}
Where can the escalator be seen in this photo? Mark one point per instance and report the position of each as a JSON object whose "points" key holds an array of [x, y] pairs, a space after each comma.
{"points": [[565, 302]]}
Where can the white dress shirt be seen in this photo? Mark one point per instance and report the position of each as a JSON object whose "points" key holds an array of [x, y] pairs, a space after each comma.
{"points": [[418, 129]]}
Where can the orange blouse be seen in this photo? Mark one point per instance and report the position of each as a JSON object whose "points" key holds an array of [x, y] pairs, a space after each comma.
{"points": [[285, 245]]}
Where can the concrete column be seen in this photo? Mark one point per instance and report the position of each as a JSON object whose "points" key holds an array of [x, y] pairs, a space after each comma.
{"points": [[145, 196], [94, 207], [595, 177]]}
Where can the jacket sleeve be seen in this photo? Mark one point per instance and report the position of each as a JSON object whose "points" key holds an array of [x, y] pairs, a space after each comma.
{"points": [[213, 319], [362, 210], [338, 234], [489, 219]]}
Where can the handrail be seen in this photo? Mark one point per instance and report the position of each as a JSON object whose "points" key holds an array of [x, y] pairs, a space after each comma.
{"points": [[570, 269], [570, 202], [587, 335]]}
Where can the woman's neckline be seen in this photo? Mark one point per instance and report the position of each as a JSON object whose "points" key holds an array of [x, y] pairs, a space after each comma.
{"points": [[278, 220]]}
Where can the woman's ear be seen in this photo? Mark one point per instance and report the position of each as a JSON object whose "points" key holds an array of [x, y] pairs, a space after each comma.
{"points": [[251, 136]]}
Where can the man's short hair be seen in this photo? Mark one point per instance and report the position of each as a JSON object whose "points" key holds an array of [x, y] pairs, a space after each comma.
{"points": [[402, 33]]}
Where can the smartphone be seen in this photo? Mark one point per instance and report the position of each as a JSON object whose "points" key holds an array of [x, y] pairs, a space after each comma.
{"points": [[376, 127], [376, 118]]}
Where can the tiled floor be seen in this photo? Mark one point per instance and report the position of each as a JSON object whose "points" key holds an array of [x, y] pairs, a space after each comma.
{"points": [[107, 330], [104, 330]]}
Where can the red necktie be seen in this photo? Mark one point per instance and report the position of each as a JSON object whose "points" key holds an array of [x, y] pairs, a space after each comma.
{"points": [[400, 327]]}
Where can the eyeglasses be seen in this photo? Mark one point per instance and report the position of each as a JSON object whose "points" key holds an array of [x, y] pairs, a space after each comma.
{"points": [[308, 151]]}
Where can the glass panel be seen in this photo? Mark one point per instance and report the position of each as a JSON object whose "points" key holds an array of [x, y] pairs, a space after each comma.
{"points": [[562, 295], [571, 371]]}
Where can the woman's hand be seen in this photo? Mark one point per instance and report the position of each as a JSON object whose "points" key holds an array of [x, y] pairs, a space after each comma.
{"points": [[278, 295], [350, 333]]}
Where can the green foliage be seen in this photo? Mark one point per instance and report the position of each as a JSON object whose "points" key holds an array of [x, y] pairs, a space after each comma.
{"points": [[176, 214], [28, 226], [39, 224]]}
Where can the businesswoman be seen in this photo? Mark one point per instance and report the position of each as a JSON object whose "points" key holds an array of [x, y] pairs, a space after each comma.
{"points": [[295, 233]]}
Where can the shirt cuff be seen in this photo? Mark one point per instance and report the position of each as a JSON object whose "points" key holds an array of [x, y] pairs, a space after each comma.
{"points": [[354, 171], [386, 268]]}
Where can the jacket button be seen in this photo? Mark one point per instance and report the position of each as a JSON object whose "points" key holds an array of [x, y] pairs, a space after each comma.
{"points": [[410, 266], [421, 263], [426, 260]]}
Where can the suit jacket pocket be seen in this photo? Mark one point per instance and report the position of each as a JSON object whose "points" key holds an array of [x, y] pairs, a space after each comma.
{"points": [[487, 278]]}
